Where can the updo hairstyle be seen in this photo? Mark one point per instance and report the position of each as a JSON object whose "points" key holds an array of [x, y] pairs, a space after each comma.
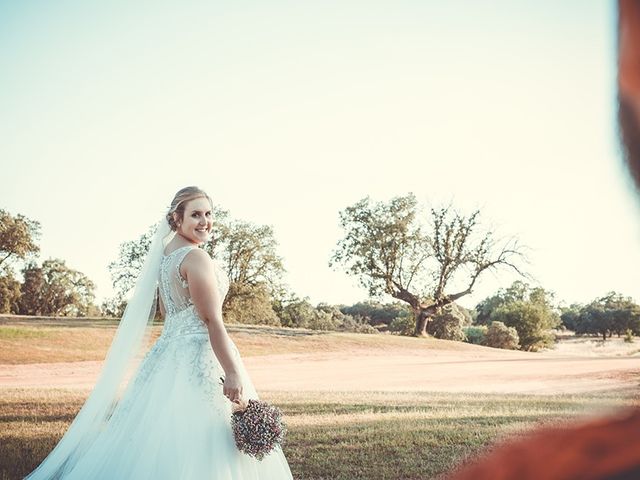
{"points": [[180, 200]]}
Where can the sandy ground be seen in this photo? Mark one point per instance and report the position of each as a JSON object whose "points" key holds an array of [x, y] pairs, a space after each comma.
{"points": [[482, 370]]}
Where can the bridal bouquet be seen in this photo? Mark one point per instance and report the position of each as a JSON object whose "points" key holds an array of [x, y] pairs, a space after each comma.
{"points": [[257, 428]]}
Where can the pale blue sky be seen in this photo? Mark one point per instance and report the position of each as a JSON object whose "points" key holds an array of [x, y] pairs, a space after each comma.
{"points": [[287, 112]]}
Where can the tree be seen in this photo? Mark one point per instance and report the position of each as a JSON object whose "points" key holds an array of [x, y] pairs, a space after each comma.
{"points": [[114, 307], [612, 313], [390, 252], [126, 269], [529, 310], [31, 300], [55, 289], [532, 321], [517, 291], [9, 292], [247, 251], [249, 304], [594, 319], [570, 316], [17, 237]]}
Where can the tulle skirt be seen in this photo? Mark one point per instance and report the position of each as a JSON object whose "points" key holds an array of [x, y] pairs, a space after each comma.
{"points": [[173, 422]]}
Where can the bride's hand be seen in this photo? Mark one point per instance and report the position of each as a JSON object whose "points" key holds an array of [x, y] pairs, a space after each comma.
{"points": [[232, 387]]}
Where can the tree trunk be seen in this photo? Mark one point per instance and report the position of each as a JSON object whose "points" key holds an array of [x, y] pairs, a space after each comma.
{"points": [[421, 324], [604, 336]]}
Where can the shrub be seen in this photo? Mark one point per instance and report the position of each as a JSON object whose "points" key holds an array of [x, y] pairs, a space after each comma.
{"points": [[447, 326], [376, 313], [628, 336], [500, 336], [297, 314], [248, 304], [320, 320], [532, 321], [475, 334], [356, 325], [403, 325]]}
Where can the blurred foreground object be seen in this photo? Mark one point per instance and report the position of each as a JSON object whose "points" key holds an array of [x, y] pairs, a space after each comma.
{"points": [[606, 448]]}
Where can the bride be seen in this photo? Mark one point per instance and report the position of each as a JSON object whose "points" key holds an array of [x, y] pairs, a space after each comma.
{"points": [[172, 420]]}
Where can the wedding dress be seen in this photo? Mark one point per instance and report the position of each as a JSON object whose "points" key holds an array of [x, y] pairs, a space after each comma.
{"points": [[173, 421]]}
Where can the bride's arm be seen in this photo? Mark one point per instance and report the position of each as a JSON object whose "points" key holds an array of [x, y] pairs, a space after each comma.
{"points": [[200, 274]]}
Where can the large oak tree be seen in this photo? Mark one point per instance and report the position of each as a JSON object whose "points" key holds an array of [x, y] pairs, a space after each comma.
{"points": [[391, 250]]}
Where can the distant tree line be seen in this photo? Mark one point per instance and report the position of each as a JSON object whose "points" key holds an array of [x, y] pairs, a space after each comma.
{"points": [[604, 316], [424, 266]]}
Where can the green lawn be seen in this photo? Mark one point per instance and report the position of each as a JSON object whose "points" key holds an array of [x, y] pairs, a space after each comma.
{"points": [[345, 435]]}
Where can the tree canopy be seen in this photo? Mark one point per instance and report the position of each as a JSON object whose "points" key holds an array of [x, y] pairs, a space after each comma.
{"points": [[18, 235]]}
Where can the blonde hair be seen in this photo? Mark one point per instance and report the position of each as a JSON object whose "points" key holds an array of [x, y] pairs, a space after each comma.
{"points": [[180, 200]]}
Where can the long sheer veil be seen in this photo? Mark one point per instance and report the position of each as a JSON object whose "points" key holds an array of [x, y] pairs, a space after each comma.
{"points": [[132, 334]]}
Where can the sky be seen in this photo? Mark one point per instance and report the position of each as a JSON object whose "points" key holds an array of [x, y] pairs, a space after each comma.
{"points": [[289, 112]]}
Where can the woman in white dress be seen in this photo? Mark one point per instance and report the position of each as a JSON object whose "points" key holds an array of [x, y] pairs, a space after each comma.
{"points": [[173, 419]]}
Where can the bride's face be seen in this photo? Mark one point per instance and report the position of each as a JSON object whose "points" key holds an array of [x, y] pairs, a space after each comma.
{"points": [[197, 220]]}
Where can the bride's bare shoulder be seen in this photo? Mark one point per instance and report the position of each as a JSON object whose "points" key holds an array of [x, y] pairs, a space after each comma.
{"points": [[197, 255], [197, 259]]}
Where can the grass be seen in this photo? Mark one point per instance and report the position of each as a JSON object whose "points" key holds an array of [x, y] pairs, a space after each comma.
{"points": [[594, 346], [332, 435], [337, 435], [50, 340]]}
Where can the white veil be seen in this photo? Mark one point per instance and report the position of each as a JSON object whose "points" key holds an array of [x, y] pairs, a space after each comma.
{"points": [[130, 337]]}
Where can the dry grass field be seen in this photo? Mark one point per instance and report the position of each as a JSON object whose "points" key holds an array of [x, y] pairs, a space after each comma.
{"points": [[357, 406], [26, 340], [333, 435]]}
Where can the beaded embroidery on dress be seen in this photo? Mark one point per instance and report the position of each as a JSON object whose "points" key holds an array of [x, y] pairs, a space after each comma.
{"points": [[173, 421]]}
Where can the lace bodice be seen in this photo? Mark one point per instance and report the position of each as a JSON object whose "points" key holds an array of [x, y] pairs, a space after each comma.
{"points": [[180, 316]]}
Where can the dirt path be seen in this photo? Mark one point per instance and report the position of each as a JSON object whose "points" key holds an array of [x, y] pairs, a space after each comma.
{"points": [[487, 371], [448, 374]]}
